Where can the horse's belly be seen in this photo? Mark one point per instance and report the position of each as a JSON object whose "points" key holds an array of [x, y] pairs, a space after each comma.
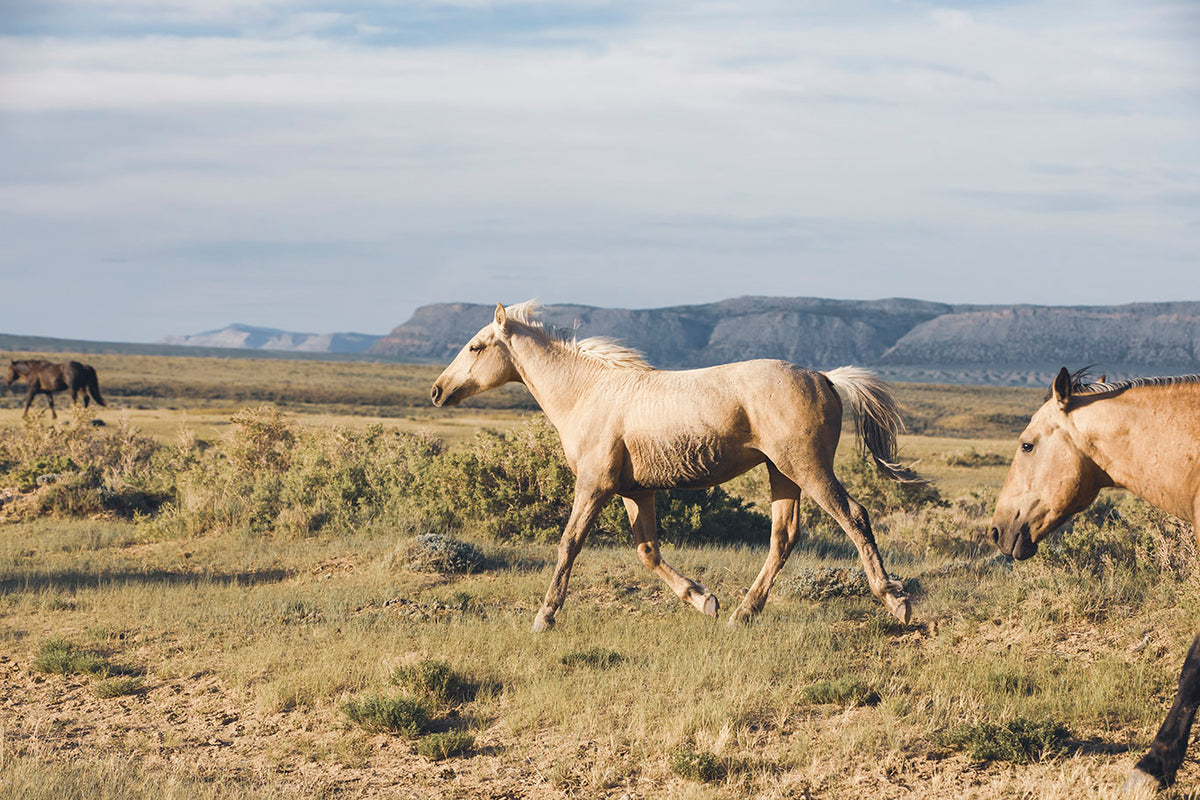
{"points": [[684, 462]]}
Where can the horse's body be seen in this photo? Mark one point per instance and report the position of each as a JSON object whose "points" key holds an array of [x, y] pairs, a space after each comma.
{"points": [[1141, 435], [45, 377], [628, 429]]}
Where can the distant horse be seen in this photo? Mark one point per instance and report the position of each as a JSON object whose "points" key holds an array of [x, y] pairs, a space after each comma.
{"points": [[628, 429], [44, 377], [1142, 435]]}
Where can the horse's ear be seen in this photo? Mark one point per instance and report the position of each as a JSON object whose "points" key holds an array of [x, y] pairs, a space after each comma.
{"points": [[1062, 388], [501, 318]]}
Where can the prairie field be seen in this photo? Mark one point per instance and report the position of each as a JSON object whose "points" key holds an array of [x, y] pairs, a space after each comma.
{"points": [[293, 579]]}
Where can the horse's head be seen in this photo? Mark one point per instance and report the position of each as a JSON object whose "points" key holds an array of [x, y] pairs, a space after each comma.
{"points": [[1050, 478], [484, 363], [12, 373]]}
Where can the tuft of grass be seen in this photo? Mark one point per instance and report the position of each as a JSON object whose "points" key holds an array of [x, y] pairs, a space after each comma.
{"points": [[701, 766], [400, 715], [843, 691], [435, 680], [59, 656], [440, 746], [117, 687], [593, 658], [1019, 740]]}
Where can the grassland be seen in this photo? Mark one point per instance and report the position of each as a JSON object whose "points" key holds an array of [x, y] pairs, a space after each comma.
{"points": [[223, 665]]}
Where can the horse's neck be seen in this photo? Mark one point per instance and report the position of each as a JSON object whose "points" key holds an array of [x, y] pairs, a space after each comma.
{"points": [[1148, 441], [559, 380]]}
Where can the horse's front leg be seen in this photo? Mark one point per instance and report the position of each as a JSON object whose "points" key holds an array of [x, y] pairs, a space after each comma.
{"points": [[50, 400], [589, 499], [1158, 767], [644, 524]]}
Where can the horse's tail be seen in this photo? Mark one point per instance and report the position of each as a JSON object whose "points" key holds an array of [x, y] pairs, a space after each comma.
{"points": [[92, 385], [876, 416]]}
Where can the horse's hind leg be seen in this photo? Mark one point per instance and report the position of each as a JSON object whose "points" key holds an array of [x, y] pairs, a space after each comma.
{"points": [[785, 532], [50, 400], [643, 521], [828, 492]]}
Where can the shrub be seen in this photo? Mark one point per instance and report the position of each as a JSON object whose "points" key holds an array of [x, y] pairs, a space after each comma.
{"points": [[592, 657], [439, 746], [435, 680], [847, 690], [59, 656], [433, 552], [400, 715], [700, 766], [1019, 740], [824, 583], [117, 687], [30, 474], [1122, 533]]}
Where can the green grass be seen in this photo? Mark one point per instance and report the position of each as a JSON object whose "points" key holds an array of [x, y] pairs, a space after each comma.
{"points": [[440, 746], [62, 657], [1019, 740]]}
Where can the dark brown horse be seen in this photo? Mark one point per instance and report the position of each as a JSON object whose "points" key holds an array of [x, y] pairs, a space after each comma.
{"points": [[45, 377]]}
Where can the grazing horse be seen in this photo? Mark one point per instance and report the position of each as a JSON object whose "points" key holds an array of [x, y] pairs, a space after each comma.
{"points": [[1142, 435], [628, 429], [44, 377]]}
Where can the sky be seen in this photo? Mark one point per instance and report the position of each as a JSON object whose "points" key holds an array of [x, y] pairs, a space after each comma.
{"points": [[172, 166]]}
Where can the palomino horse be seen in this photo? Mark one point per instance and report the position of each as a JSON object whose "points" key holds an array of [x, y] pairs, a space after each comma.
{"points": [[628, 429], [44, 377], [1142, 435]]}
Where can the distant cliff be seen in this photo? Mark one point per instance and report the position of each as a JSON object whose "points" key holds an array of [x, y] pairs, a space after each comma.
{"points": [[905, 339], [908, 340], [249, 337]]}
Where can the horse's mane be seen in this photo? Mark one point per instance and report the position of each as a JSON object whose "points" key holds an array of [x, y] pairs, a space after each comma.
{"points": [[603, 349], [1083, 385]]}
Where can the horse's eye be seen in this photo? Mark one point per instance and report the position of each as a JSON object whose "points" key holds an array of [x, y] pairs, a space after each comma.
{"points": [[1026, 447], [475, 348]]}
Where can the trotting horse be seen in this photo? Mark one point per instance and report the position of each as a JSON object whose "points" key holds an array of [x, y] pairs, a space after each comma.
{"points": [[44, 377], [628, 429], [1142, 435]]}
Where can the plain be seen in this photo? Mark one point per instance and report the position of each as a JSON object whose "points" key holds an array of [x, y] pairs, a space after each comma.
{"points": [[202, 636]]}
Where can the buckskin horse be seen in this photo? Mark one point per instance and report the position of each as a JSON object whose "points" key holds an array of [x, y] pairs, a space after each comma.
{"points": [[45, 377], [1142, 435], [628, 429]]}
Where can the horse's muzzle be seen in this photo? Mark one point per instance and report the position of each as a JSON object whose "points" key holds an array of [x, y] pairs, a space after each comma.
{"points": [[1018, 544]]}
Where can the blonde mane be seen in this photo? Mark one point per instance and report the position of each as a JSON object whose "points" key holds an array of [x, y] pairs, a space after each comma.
{"points": [[602, 349]]}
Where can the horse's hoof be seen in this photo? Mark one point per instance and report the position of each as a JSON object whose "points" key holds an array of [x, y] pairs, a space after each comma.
{"points": [[739, 618], [542, 623], [1141, 784], [712, 606], [899, 607]]}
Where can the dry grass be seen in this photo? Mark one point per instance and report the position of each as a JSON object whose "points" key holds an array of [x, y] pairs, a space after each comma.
{"points": [[239, 654], [251, 650]]}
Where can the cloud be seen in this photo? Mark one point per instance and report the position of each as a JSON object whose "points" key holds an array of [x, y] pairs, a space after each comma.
{"points": [[769, 145]]}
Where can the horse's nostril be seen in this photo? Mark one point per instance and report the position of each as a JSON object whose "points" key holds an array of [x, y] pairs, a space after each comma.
{"points": [[435, 393], [995, 535]]}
